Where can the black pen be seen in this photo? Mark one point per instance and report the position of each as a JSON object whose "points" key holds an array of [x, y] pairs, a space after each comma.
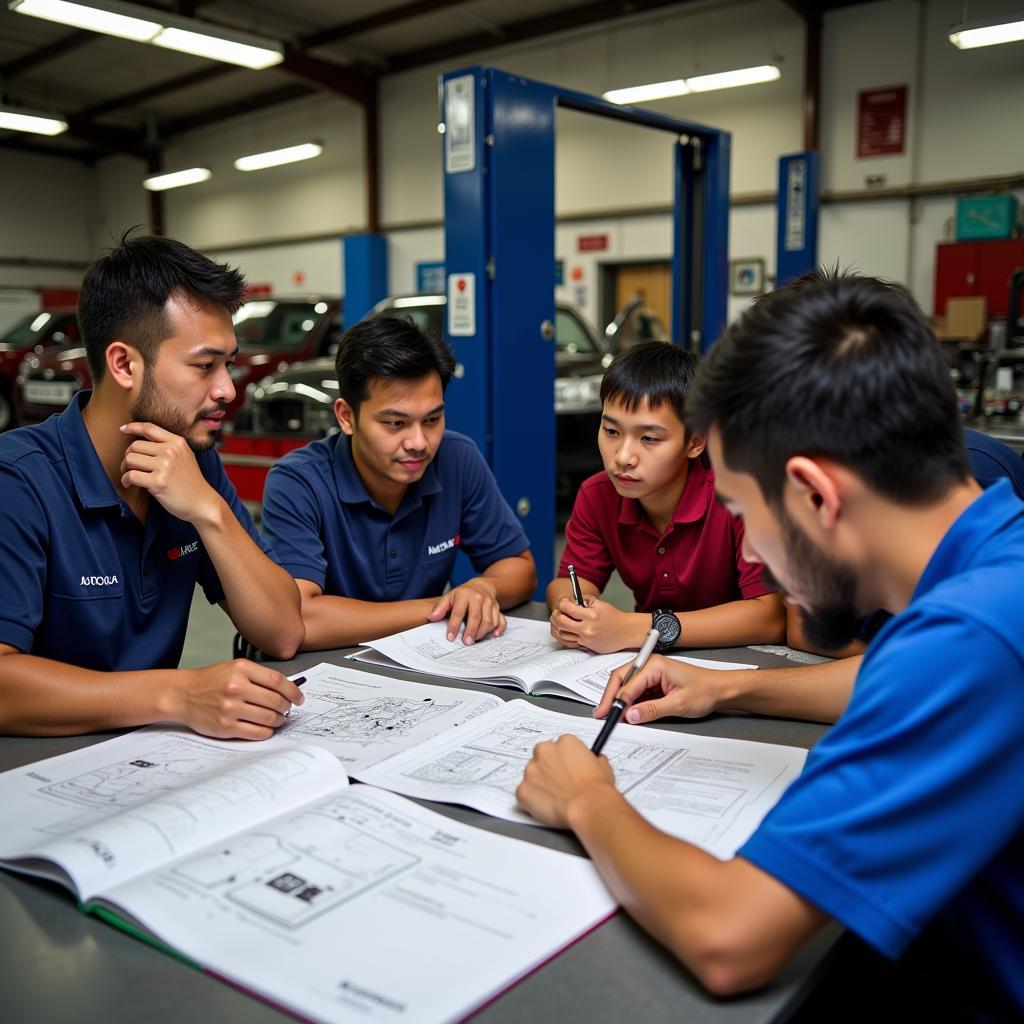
{"points": [[577, 593], [619, 705]]}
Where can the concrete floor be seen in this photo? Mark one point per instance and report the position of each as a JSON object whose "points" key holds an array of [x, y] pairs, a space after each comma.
{"points": [[210, 631]]}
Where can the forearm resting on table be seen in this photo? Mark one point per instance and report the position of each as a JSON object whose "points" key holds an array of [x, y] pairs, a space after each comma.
{"points": [[758, 620], [333, 621], [730, 923], [514, 579], [814, 693], [40, 697]]}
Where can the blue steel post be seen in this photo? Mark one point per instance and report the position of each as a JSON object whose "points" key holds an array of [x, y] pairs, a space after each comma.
{"points": [[797, 205], [714, 237], [682, 245], [466, 248], [522, 317], [366, 274]]}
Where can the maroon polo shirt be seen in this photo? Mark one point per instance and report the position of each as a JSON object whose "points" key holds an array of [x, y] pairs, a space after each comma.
{"points": [[694, 564]]}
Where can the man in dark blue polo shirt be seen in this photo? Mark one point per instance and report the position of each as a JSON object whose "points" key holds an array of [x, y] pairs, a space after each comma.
{"points": [[115, 508], [369, 521], [835, 433]]}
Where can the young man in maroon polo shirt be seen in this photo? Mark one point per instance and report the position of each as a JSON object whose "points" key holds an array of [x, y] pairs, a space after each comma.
{"points": [[653, 516]]}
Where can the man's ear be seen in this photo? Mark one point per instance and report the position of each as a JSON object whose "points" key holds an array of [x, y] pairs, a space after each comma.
{"points": [[125, 365], [815, 489], [345, 416], [695, 446]]}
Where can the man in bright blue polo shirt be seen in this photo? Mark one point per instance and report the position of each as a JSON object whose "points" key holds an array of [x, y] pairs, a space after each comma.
{"points": [[116, 507], [834, 431], [370, 520]]}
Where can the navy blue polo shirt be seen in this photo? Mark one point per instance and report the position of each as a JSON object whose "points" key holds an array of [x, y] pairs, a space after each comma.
{"points": [[83, 581], [324, 526]]}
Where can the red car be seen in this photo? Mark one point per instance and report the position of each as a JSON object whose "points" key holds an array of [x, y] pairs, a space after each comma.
{"points": [[30, 335], [272, 334]]}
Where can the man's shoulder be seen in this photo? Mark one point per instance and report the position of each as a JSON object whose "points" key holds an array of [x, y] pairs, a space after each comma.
{"points": [[309, 461], [458, 448], [38, 440]]}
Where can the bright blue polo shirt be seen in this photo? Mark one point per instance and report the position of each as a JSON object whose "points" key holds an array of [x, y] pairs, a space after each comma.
{"points": [[82, 580], [910, 811], [324, 526]]}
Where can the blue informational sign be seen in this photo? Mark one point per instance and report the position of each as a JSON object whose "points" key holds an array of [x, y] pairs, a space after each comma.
{"points": [[430, 277], [797, 227]]}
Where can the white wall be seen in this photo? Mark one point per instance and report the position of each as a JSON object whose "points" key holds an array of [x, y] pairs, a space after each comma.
{"points": [[305, 268]]}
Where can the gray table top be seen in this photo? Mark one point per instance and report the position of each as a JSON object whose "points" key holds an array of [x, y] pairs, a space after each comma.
{"points": [[61, 965]]}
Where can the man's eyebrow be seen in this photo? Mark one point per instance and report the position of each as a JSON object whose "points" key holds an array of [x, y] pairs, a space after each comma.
{"points": [[402, 415], [212, 350], [650, 428]]}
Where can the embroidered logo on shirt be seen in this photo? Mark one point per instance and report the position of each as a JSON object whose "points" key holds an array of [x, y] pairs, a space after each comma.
{"points": [[186, 549], [98, 581], [445, 545]]}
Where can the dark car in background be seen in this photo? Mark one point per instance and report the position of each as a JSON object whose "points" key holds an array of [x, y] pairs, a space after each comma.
{"points": [[272, 334], [33, 334], [297, 405]]}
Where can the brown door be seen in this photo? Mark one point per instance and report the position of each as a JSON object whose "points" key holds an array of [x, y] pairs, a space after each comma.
{"points": [[652, 284]]}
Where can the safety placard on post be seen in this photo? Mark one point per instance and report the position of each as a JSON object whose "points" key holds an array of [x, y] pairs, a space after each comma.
{"points": [[462, 305], [459, 143]]}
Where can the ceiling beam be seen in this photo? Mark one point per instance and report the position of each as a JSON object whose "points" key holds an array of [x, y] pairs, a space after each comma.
{"points": [[385, 19], [131, 99], [84, 156], [66, 44], [235, 108]]}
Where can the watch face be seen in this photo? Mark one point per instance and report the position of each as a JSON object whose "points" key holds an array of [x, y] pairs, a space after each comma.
{"points": [[668, 628]]}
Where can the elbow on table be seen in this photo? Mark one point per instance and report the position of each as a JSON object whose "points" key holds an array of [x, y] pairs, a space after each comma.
{"points": [[286, 644]]}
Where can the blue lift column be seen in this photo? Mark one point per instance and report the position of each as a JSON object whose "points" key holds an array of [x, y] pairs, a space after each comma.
{"points": [[366, 274], [498, 143], [797, 216]]}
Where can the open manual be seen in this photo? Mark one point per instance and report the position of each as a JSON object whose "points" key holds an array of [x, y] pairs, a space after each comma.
{"points": [[260, 863], [526, 656]]}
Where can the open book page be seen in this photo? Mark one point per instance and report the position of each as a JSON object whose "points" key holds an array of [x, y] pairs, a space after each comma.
{"points": [[113, 810], [526, 655], [363, 718], [367, 907], [709, 791]]}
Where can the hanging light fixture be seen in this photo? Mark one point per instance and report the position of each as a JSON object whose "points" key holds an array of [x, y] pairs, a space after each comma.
{"points": [[176, 179], [19, 119], [696, 83], [972, 34]]}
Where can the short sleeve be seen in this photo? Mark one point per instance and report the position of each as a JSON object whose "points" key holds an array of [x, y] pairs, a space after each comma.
{"points": [[585, 546], [213, 470], [24, 548], [750, 575], [915, 790], [489, 529], [293, 525]]}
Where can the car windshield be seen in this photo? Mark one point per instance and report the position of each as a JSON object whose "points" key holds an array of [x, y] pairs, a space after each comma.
{"points": [[424, 314], [265, 323], [23, 333], [571, 335]]}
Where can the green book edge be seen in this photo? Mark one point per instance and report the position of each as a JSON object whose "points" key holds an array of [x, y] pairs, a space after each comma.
{"points": [[119, 922]]}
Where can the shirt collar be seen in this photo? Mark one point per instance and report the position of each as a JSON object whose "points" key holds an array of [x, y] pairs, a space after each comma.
{"points": [[990, 513], [352, 490], [698, 493], [92, 485]]}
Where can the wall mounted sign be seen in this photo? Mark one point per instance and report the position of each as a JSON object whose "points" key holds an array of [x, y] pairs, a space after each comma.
{"points": [[881, 121], [592, 243]]}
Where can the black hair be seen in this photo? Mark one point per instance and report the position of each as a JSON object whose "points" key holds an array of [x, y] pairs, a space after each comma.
{"points": [[837, 365], [654, 372], [125, 292], [388, 348]]}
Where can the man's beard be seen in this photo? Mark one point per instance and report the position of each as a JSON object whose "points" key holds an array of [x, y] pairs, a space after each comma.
{"points": [[831, 587], [151, 408]]}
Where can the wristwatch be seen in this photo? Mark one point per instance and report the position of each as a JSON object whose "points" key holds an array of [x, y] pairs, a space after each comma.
{"points": [[668, 626]]}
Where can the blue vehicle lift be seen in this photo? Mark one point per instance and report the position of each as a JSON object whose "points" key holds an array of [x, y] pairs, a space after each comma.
{"points": [[498, 153]]}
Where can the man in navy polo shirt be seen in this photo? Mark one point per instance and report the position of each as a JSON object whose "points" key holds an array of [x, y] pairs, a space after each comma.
{"points": [[835, 433], [369, 521], [115, 508]]}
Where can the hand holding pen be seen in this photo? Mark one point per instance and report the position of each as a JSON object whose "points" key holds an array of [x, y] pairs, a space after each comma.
{"points": [[577, 590], [619, 705]]}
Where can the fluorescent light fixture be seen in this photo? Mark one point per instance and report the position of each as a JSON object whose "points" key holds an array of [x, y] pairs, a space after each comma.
{"points": [[276, 157], [18, 120], [130, 21], [644, 93], [731, 79], [698, 83], [973, 34], [112, 19], [228, 46], [176, 179], [418, 300]]}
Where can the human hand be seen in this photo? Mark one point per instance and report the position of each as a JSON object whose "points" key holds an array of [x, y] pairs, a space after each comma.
{"points": [[474, 602], [559, 773], [664, 688], [163, 464], [599, 626], [234, 700]]}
